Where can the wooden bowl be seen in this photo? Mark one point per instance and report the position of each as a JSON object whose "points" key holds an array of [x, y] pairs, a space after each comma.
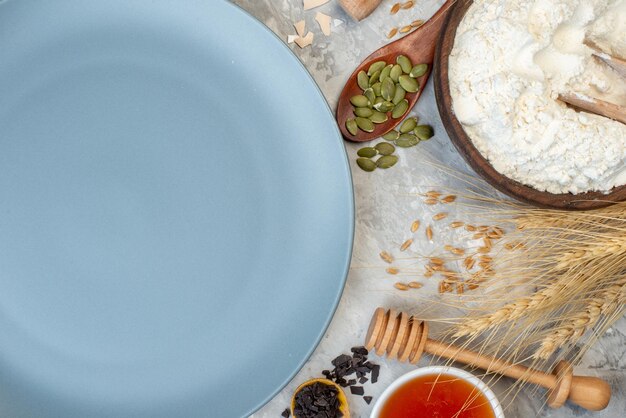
{"points": [[462, 142]]}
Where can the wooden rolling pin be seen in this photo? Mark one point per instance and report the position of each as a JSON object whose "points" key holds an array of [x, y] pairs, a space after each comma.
{"points": [[403, 337], [359, 9]]}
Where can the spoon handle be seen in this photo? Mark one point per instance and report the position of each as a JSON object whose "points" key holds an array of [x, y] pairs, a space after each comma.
{"points": [[359, 9]]}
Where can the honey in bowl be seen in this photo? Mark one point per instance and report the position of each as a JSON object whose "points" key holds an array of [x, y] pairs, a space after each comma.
{"points": [[437, 396]]}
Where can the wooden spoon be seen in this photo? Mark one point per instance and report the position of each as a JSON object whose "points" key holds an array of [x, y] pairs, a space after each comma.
{"points": [[343, 401], [597, 106], [419, 47]]}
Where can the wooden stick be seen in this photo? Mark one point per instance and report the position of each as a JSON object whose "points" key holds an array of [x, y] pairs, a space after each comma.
{"points": [[385, 329], [597, 106], [359, 9]]}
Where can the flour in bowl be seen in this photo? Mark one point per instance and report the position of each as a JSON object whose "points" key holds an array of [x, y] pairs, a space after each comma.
{"points": [[511, 60]]}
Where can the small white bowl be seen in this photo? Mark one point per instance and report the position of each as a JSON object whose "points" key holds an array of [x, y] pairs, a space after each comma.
{"points": [[461, 374]]}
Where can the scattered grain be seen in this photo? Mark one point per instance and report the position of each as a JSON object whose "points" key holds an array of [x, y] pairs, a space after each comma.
{"points": [[431, 201], [457, 224], [415, 226], [408, 4], [429, 233], [401, 286], [405, 29], [393, 270], [406, 244], [387, 258], [415, 285], [449, 199], [393, 32], [469, 262], [440, 216], [417, 23], [437, 261], [395, 8], [460, 288], [470, 228]]}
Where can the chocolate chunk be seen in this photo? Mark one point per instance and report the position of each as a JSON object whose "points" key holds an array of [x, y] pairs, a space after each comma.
{"points": [[375, 373], [286, 413], [367, 399], [363, 380], [357, 390]]}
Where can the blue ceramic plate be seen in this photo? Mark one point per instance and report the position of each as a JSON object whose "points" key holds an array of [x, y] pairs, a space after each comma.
{"points": [[176, 211]]}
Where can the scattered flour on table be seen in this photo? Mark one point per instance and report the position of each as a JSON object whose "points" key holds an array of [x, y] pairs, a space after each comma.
{"points": [[510, 61]]}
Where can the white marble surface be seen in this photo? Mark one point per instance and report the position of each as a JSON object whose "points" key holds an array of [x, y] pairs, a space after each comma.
{"points": [[385, 209]]}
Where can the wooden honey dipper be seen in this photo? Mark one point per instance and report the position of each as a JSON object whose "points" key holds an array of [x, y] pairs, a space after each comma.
{"points": [[403, 337]]}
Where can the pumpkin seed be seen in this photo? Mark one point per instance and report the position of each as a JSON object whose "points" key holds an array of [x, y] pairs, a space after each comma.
{"points": [[366, 164], [363, 112], [388, 89], [352, 127], [359, 101], [363, 80], [400, 109], [409, 84], [365, 124], [424, 132], [405, 63], [408, 125], [385, 148], [407, 141], [386, 161], [374, 78], [384, 74], [399, 95], [419, 70], [367, 152], [370, 95], [391, 135], [396, 72], [379, 117], [378, 100], [377, 89], [385, 106], [377, 66]]}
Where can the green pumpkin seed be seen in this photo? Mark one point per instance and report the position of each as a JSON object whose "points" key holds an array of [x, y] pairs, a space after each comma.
{"points": [[409, 84], [391, 135], [366, 164], [424, 132], [359, 101], [386, 161], [352, 127], [396, 72], [400, 94], [363, 80], [408, 125], [378, 100], [370, 95], [405, 63], [385, 148], [419, 70], [388, 89], [407, 141], [384, 74], [377, 89], [365, 124], [374, 78], [377, 66], [379, 117], [367, 152], [384, 106], [363, 112], [400, 109]]}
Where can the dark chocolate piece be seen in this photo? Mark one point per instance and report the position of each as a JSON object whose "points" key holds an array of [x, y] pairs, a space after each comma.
{"points": [[357, 390], [367, 399]]}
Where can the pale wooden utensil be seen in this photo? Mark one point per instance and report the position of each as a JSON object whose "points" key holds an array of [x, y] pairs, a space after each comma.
{"points": [[343, 401], [359, 9], [593, 105], [403, 337], [597, 106], [419, 47]]}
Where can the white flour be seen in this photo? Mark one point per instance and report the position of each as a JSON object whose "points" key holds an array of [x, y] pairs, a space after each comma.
{"points": [[510, 61]]}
